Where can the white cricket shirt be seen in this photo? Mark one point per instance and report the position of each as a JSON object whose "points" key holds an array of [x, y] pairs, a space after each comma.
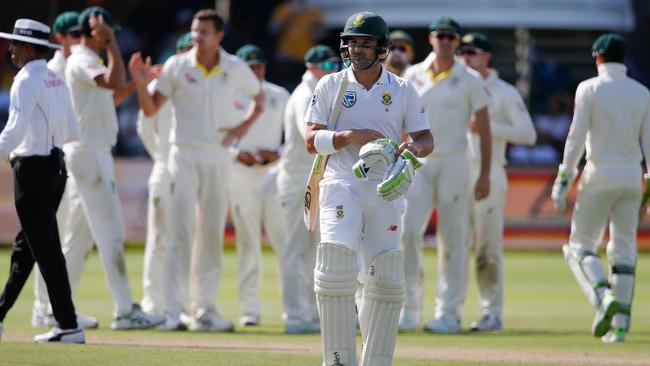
{"points": [[57, 64], [266, 131], [203, 101], [449, 102], [94, 105], [509, 121], [40, 113], [612, 112], [391, 107], [154, 131]]}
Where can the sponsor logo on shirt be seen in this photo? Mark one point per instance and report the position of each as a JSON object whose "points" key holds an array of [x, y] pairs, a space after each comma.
{"points": [[392, 228], [314, 97], [189, 78], [349, 99]]}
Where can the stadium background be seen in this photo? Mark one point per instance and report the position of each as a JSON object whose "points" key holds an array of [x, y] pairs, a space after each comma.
{"points": [[542, 46]]}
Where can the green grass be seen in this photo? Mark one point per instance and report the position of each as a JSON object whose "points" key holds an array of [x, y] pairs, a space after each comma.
{"points": [[546, 318]]}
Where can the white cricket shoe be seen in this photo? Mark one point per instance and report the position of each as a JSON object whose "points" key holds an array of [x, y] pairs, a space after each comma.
{"points": [[136, 319], [208, 320], [604, 314], [62, 336], [443, 324], [486, 323], [301, 327], [408, 321], [173, 323], [40, 320], [249, 320], [616, 335]]}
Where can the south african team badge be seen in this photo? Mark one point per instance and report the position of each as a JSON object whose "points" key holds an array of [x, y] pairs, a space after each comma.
{"points": [[339, 212], [387, 99]]}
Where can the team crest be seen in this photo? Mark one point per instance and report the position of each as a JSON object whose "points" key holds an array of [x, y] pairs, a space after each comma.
{"points": [[339, 212], [387, 99], [349, 99], [358, 21]]}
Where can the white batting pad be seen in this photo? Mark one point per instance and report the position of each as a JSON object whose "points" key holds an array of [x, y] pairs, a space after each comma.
{"points": [[382, 300], [588, 271], [622, 281], [335, 285]]}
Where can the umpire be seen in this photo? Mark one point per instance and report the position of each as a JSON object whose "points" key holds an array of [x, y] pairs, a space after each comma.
{"points": [[41, 120]]}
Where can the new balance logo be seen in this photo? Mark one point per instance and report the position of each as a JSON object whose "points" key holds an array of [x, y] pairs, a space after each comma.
{"points": [[392, 228]]}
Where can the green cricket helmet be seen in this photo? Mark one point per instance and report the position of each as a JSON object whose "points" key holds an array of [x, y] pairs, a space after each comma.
{"points": [[365, 24]]}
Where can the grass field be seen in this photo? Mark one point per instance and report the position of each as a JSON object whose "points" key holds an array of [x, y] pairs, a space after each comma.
{"points": [[547, 322]]}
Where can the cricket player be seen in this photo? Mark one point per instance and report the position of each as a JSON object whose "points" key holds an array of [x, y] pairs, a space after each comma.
{"points": [[612, 120], [253, 203], [95, 210], [66, 34], [300, 245], [452, 95], [401, 52], [359, 229], [202, 85], [509, 123], [154, 133]]}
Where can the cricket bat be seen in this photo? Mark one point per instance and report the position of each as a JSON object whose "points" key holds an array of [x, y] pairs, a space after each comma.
{"points": [[312, 192]]}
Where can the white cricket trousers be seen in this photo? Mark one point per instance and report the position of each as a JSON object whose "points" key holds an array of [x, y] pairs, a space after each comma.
{"points": [[608, 192], [441, 182], [154, 252], [486, 237], [251, 210], [298, 294], [197, 204], [95, 216]]}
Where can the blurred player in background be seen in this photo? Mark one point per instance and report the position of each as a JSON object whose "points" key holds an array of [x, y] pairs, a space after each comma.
{"points": [[295, 164], [66, 33], [612, 119], [509, 123], [202, 85], [154, 133], [359, 229], [401, 52], [254, 201], [452, 94]]}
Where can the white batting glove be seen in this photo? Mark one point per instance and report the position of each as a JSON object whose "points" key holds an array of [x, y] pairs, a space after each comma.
{"points": [[398, 179], [646, 192], [561, 188], [375, 154]]}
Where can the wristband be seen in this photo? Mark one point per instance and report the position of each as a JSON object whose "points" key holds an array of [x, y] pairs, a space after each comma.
{"points": [[324, 142]]}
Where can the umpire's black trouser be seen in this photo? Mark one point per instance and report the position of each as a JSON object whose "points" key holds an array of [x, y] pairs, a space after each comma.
{"points": [[39, 182]]}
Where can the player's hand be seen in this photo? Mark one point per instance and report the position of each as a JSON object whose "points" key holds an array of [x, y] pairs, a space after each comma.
{"points": [[233, 133], [361, 137], [246, 158], [100, 29], [482, 187], [141, 69], [412, 147], [154, 71], [267, 156], [646, 194], [560, 189]]}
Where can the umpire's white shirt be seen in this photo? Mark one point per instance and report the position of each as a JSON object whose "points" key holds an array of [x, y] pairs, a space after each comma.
{"points": [[509, 121], [391, 107], [203, 101], [40, 113], [296, 162], [266, 132], [612, 111], [449, 102], [94, 106]]}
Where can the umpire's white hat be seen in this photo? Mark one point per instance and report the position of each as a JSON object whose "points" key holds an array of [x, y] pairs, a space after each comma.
{"points": [[30, 31]]}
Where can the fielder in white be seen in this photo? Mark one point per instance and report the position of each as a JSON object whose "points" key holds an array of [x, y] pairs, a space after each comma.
{"points": [[359, 229], [202, 85], [452, 94], [300, 245], [154, 133], [95, 214], [509, 123], [254, 201], [612, 119]]}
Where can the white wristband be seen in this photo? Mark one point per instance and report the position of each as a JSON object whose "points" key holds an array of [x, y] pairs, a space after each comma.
{"points": [[324, 142]]}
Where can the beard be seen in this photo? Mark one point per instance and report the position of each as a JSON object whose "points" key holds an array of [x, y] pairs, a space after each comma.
{"points": [[361, 62]]}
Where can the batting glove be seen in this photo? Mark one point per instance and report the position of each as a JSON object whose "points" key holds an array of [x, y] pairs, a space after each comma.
{"points": [[561, 188], [398, 179], [646, 191], [375, 154]]}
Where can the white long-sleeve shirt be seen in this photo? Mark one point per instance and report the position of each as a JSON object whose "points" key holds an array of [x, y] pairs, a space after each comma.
{"points": [[509, 121], [612, 113], [40, 113]]}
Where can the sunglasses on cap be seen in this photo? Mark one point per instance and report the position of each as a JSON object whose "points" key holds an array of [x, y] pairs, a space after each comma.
{"points": [[445, 35], [471, 51], [329, 66]]}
